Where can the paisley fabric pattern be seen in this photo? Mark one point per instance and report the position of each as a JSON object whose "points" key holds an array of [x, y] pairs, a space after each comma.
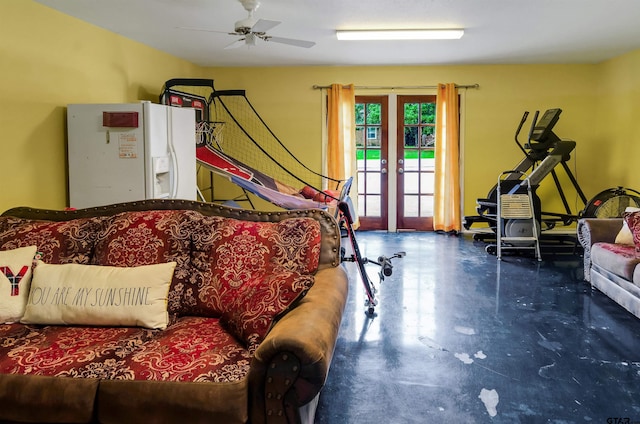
{"points": [[64, 351], [146, 238], [251, 308], [195, 300], [228, 252], [233, 279], [193, 349], [58, 242], [258, 272]]}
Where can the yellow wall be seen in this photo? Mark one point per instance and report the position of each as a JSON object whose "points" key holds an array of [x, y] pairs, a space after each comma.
{"points": [[288, 103], [49, 60], [617, 122]]}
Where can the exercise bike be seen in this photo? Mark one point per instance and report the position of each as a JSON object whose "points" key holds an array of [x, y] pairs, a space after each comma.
{"points": [[384, 262]]}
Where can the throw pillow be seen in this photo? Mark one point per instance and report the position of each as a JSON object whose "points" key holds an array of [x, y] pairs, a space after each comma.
{"points": [[15, 278], [148, 237], [632, 219], [251, 308], [624, 235], [99, 295]]}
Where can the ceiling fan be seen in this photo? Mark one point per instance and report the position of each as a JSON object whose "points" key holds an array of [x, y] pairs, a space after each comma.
{"points": [[250, 30]]}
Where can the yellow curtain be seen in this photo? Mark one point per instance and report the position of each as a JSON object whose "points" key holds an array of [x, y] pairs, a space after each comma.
{"points": [[341, 131], [341, 138], [446, 214]]}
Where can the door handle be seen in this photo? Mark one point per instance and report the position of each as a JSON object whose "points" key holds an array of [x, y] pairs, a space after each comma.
{"points": [[383, 161], [400, 171], [383, 170]]}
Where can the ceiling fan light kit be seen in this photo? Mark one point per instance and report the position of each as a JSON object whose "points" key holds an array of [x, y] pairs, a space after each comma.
{"points": [[400, 34]]}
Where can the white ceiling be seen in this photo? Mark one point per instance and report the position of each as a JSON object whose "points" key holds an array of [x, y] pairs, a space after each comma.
{"points": [[496, 31]]}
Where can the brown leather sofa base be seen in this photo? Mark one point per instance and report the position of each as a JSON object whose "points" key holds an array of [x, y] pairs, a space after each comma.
{"points": [[122, 402], [37, 399]]}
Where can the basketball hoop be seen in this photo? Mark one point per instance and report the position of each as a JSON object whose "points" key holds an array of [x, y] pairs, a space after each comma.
{"points": [[209, 133]]}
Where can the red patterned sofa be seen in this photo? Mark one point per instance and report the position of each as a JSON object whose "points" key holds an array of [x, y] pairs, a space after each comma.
{"points": [[244, 330]]}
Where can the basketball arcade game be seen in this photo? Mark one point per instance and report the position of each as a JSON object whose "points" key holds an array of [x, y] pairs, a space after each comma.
{"points": [[253, 157]]}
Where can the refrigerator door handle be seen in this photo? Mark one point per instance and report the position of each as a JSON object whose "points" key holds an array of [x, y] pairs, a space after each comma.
{"points": [[175, 171]]}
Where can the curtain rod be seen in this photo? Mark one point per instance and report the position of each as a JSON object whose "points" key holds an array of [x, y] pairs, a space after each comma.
{"points": [[411, 87]]}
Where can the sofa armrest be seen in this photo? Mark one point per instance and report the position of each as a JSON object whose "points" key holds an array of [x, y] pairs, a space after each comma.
{"points": [[291, 365], [596, 230]]}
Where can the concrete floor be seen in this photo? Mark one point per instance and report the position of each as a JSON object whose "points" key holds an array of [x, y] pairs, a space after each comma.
{"points": [[460, 337]]}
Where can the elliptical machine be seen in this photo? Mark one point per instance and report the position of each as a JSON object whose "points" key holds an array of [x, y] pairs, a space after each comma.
{"points": [[543, 151]]}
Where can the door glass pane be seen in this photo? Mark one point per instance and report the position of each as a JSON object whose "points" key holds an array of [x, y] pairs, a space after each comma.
{"points": [[373, 205], [410, 206], [374, 185], [373, 137], [427, 182], [373, 160], [361, 204], [361, 182], [360, 134], [410, 136], [411, 182], [411, 162], [359, 113], [411, 113], [374, 114], [426, 205], [428, 137], [427, 113]]}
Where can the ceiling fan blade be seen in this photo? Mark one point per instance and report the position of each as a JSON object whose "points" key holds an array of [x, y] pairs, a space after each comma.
{"points": [[291, 42], [264, 25], [236, 44], [206, 30]]}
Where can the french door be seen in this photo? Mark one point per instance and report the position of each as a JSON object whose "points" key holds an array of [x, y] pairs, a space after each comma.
{"points": [[416, 131], [409, 200], [372, 161]]}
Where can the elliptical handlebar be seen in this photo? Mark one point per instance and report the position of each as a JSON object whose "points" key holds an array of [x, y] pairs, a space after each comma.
{"points": [[525, 115], [527, 145]]}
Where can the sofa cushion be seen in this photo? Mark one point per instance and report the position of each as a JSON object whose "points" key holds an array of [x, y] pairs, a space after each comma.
{"points": [[62, 242], [619, 259], [15, 280], [193, 349], [132, 239], [68, 351], [227, 252], [100, 295]]}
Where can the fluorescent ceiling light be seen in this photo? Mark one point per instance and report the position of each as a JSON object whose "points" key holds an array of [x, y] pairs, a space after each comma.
{"points": [[400, 34]]}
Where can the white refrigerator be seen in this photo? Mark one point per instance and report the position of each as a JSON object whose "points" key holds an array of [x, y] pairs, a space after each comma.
{"points": [[128, 152]]}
